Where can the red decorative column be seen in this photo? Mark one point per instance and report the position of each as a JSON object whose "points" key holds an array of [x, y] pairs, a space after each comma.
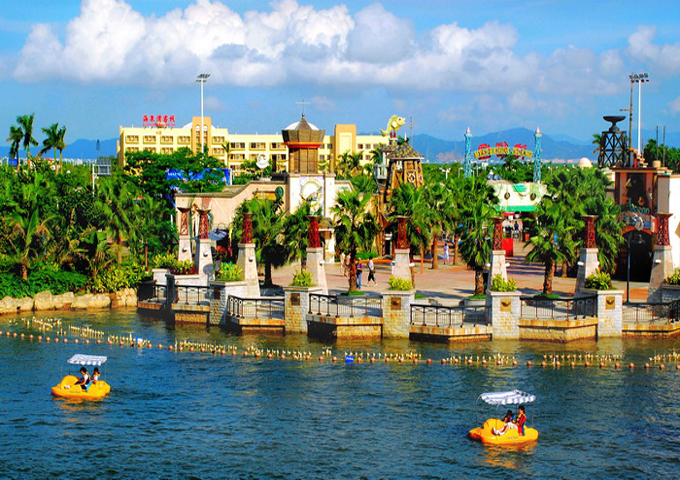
{"points": [[184, 247], [590, 230], [204, 261], [247, 234], [402, 238], [662, 238], [203, 224], [497, 233], [314, 238], [184, 220]]}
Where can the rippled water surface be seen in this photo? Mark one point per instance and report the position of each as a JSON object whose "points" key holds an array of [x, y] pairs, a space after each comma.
{"points": [[184, 415]]}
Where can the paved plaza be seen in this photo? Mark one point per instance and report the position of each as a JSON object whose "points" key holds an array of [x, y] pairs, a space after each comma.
{"points": [[451, 283]]}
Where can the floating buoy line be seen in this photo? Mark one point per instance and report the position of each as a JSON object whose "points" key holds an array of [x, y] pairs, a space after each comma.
{"points": [[53, 330]]}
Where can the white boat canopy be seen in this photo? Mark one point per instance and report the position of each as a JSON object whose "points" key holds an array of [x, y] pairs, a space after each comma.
{"points": [[513, 397], [79, 359]]}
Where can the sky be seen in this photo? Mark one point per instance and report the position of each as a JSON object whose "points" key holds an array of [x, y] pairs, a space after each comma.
{"points": [[95, 65]]}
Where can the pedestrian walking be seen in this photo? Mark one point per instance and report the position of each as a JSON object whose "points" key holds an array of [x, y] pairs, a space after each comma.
{"points": [[446, 253], [360, 270], [343, 265], [371, 273]]}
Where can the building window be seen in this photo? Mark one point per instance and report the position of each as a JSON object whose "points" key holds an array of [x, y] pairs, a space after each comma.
{"points": [[132, 138], [149, 138], [166, 140], [132, 149], [258, 145], [184, 140], [278, 146], [150, 149], [237, 145], [329, 146], [218, 151], [167, 150], [237, 156], [360, 146], [218, 140]]}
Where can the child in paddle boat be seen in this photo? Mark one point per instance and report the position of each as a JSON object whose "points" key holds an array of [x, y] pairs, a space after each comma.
{"points": [[507, 420], [518, 424], [84, 381], [95, 375]]}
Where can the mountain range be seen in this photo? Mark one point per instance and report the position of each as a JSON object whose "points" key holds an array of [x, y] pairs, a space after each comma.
{"points": [[435, 150]]}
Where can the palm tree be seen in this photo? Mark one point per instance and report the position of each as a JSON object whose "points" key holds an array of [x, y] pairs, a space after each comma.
{"points": [[26, 124], [16, 135], [51, 140], [597, 141], [28, 239], [552, 241], [349, 164], [115, 198], [409, 201], [296, 233], [440, 210], [475, 244], [355, 227]]}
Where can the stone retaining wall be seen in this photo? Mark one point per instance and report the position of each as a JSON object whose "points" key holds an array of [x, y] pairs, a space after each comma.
{"points": [[45, 301], [557, 330]]}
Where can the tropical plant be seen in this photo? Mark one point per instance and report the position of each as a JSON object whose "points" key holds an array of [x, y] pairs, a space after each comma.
{"points": [[597, 141], [26, 124], [28, 239], [16, 135], [599, 280], [399, 284], [229, 273], [355, 227], [499, 284], [54, 140], [409, 201], [296, 233], [674, 278], [303, 278], [348, 165], [475, 241], [552, 241], [440, 211], [115, 200]]}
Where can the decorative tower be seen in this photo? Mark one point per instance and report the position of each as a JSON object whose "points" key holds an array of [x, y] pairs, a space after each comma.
{"points": [[537, 155], [662, 265], [204, 260], [588, 262], [315, 256], [402, 251], [468, 153], [184, 252], [303, 141], [246, 257], [497, 260]]}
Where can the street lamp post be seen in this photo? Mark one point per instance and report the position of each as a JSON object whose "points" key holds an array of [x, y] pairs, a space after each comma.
{"points": [[202, 78], [638, 78]]}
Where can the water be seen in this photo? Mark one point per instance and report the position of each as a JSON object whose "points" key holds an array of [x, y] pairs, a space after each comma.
{"points": [[183, 415]]}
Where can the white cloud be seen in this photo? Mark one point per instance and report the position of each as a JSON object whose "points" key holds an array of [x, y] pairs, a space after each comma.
{"points": [[323, 104], [110, 42], [675, 106]]}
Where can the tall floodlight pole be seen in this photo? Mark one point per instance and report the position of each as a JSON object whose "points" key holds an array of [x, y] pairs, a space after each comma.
{"points": [[468, 153], [638, 78], [202, 78]]}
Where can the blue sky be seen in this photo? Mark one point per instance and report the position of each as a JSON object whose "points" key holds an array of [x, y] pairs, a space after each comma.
{"points": [[94, 65]]}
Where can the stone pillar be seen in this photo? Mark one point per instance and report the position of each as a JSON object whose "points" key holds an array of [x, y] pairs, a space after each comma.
{"points": [[396, 309], [504, 309], [297, 307], [402, 252], [159, 275], [587, 262], [497, 260], [609, 313], [204, 260], [219, 298], [246, 257], [662, 266], [315, 256], [184, 247]]}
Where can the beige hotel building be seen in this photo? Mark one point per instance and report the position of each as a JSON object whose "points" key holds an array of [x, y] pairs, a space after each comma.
{"points": [[234, 149]]}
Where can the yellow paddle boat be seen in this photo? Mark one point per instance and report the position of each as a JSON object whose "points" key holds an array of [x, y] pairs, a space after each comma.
{"points": [[487, 434], [92, 391]]}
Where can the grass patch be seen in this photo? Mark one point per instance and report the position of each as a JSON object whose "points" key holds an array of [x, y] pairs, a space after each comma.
{"points": [[352, 294], [419, 295], [477, 297], [543, 296]]}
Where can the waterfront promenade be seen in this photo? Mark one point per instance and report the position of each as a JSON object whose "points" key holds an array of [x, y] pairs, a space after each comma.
{"points": [[451, 283]]}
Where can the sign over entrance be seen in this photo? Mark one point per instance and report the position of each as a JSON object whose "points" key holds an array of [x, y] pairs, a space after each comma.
{"points": [[502, 150]]}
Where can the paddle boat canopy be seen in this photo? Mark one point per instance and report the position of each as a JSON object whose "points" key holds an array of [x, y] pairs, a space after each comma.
{"points": [[93, 390], [485, 433]]}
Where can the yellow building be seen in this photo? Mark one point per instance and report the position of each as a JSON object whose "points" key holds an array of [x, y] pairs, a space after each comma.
{"points": [[234, 149]]}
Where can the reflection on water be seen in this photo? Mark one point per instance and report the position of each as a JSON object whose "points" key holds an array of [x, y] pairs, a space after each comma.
{"points": [[172, 415]]}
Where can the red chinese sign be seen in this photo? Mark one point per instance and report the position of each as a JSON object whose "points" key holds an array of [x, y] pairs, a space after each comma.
{"points": [[158, 121]]}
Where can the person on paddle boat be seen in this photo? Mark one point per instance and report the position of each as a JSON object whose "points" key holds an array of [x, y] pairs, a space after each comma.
{"points": [[84, 382], [518, 424], [95, 375]]}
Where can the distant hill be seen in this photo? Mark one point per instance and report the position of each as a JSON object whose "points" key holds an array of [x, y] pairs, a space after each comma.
{"points": [[80, 149]]}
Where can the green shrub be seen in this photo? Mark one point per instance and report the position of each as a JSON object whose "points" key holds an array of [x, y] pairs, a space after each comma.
{"points": [[599, 280], [229, 273], [499, 284], [399, 284], [674, 278], [56, 281], [366, 255], [165, 260], [187, 267], [11, 285], [303, 278], [117, 277]]}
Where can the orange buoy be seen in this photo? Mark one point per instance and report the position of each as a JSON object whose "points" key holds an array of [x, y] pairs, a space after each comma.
{"points": [[359, 360], [646, 365], [110, 342], [121, 344], [283, 356], [56, 339], [170, 347], [245, 353], [429, 361], [372, 359], [191, 349], [572, 364], [662, 367], [14, 335], [30, 337], [223, 352], [514, 363], [617, 365], [415, 361], [22, 335], [87, 342], [47, 339], [470, 361], [65, 340], [40, 338], [587, 364], [677, 367], [387, 359], [99, 342], [543, 364], [75, 341], [529, 363], [321, 358], [443, 361], [269, 356], [7, 334], [601, 364], [160, 347], [632, 365], [484, 361]]}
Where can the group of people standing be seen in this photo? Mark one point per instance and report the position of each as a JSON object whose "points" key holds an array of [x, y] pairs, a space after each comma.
{"points": [[346, 264]]}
